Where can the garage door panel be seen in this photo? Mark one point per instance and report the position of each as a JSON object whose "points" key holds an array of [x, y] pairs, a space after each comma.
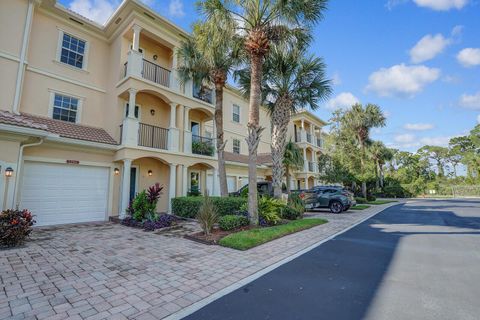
{"points": [[58, 193]]}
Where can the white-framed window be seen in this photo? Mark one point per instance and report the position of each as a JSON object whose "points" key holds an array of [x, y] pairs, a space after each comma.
{"points": [[72, 50], [65, 108], [236, 146], [236, 113]]}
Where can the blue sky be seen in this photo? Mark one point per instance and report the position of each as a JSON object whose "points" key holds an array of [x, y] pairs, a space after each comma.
{"points": [[417, 59]]}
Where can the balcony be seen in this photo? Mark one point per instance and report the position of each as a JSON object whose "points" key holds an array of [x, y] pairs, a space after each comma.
{"points": [[202, 145], [138, 66], [319, 143], [311, 166], [152, 136], [203, 93], [309, 138]]}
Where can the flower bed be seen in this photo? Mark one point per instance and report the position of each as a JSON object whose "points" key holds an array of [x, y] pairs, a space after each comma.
{"points": [[164, 221]]}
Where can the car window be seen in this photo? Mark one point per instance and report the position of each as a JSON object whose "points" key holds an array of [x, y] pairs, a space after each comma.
{"points": [[263, 188]]}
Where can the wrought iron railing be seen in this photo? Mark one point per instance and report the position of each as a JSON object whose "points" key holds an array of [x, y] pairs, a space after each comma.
{"points": [[152, 136], [203, 93], [155, 73], [202, 145]]}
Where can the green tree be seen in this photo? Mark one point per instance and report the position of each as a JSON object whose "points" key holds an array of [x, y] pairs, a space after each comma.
{"points": [[436, 154], [292, 159], [380, 154], [356, 124], [207, 59], [261, 24], [292, 81]]}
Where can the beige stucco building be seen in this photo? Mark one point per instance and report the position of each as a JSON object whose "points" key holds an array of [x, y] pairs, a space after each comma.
{"points": [[71, 148]]}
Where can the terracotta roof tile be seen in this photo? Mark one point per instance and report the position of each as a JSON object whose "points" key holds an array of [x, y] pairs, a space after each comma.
{"points": [[62, 128], [262, 158]]}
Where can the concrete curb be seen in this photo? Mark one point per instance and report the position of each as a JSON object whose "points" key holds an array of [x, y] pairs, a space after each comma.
{"points": [[217, 295]]}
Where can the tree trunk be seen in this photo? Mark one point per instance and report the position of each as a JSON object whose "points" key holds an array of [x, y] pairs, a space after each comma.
{"points": [[280, 119], [381, 177], [254, 131], [377, 175], [362, 164], [222, 174]]}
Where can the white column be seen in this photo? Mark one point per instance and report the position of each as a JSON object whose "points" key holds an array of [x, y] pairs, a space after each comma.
{"points": [[132, 94], [174, 83], [173, 132], [125, 198], [136, 37], [184, 180], [305, 161], [306, 183], [215, 183], [172, 188], [187, 134]]}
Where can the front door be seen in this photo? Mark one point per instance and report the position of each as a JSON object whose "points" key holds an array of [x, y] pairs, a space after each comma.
{"points": [[133, 183]]}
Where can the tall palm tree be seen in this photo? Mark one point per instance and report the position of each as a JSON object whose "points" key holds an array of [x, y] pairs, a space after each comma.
{"points": [[208, 59], [292, 159], [292, 81], [261, 23], [380, 154], [359, 121]]}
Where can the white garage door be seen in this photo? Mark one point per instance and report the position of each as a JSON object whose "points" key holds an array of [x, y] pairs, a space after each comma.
{"points": [[60, 193]]}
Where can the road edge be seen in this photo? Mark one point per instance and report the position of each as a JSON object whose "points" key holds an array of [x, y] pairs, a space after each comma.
{"points": [[254, 276]]}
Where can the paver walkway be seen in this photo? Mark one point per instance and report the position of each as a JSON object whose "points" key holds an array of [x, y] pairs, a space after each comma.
{"points": [[109, 271]]}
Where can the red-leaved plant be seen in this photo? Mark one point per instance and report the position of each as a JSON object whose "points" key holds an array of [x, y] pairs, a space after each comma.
{"points": [[15, 226]]}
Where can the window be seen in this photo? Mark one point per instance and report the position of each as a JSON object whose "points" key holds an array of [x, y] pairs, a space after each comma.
{"points": [[195, 128], [72, 51], [236, 113], [236, 146], [65, 108]]}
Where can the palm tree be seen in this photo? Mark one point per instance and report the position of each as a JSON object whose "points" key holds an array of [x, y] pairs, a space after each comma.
{"points": [[292, 81], [380, 154], [358, 121], [292, 159], [261, 23], [208, 59]]}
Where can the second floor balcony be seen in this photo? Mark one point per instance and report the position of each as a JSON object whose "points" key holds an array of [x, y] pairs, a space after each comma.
{"points": [[202, 145], [150, 71]]}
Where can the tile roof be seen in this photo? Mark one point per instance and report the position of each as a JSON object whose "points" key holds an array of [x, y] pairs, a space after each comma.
{"points": [[262, 158], [62, 128]]}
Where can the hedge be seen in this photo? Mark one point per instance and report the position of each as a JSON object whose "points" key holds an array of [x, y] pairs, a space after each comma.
{"points": [[187, 207]]}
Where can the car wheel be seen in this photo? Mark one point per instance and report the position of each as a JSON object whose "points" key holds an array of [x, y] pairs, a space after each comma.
{"points": [[336, 207], [346, 208]]}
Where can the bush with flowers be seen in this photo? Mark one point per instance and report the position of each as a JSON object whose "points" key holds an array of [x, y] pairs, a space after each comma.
{"points": [[15, 226]]}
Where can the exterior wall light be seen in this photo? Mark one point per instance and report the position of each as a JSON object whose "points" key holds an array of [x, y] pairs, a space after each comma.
{"points": [[152, 112], [116, 171], [150, 173], [8, 172]]}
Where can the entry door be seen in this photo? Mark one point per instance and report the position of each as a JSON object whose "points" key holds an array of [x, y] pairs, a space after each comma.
{"points": [[133, 183]]}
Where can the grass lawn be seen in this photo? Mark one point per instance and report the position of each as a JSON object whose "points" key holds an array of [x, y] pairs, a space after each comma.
{"points": [[247, 239], [360, 207], [381, 201]]}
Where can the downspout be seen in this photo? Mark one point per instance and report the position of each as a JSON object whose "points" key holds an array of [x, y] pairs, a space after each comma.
{"points": [[23, 54], [19, 168]]}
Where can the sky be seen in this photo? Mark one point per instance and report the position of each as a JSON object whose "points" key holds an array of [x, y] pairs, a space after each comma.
{"points": [[419, 60]]}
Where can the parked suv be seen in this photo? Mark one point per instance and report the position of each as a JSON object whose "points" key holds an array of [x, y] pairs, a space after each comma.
{"points": [[336, 198], [264, 188]]}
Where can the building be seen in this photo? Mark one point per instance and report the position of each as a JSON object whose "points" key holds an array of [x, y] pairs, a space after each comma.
{"points": [[91, 114]]}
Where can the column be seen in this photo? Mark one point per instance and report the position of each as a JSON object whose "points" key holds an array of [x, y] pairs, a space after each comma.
{"points": [[187, 134], [132, 94], [125, 197], [306, 183], [174, 83], [215, 184], [173, 132], [136, 37], [303, 133], [184, 180], [305, 161], [130, 123], [171, 186]]}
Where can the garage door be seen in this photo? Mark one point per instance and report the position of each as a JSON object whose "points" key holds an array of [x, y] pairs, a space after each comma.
{"points": [[60, 193]]}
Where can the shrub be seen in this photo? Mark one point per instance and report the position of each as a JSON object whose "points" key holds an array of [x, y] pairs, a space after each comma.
{"points": [[371, 197], [164, 221], [296, 202], [207, 216], [15, 226], [360, 200], [244, 192], [204, 148], [188, 207], [290, 213], [144, 205], [231, 222], [269, 210]]}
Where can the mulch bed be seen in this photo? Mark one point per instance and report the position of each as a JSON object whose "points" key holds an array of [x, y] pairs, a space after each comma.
{"points": [[214, 236]]}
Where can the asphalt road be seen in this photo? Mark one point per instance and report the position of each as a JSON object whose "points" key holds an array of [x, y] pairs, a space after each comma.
{"points": [[419, 260]]}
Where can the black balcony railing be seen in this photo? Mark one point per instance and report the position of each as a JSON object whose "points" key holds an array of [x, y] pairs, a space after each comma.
{"points": [[152, 136], [309, 138], [202, 145], [203, 93], [155, 73]]}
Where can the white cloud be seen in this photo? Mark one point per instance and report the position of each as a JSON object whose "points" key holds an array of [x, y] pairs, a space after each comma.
{"points": [[405, 138], [342, 101], [469, 57], [96, 10], [428, 48], [441, 5], [435, 141], [393, 3], [470, 101], [401, 80], [418, 126], [175, 8], [336, 80]]}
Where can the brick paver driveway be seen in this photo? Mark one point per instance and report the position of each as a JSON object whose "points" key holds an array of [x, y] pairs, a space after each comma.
{"points": [[115, 272]]}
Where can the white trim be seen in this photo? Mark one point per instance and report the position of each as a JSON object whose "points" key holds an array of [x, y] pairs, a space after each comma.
{"points": [[78, 115], [219, 294], [63, 161], [125, 115], [66, 79], [61, 33], [239, 113], [9, 56], [24, 130]]}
